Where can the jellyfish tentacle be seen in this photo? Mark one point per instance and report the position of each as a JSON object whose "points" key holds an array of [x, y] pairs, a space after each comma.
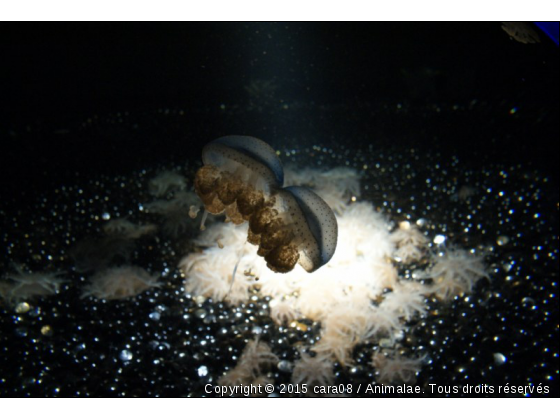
{"points": [[203, 220], [241, 254]]}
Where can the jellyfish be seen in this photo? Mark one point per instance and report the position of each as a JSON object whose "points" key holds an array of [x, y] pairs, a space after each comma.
{"points": [[243, 177], [238, 175]]}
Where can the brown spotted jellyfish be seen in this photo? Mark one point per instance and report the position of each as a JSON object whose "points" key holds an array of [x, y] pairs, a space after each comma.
{"points": [[243, 177]]}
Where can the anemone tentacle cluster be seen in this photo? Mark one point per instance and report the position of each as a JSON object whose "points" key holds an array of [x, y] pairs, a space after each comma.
{"points": [[21, 286], [120, 283]]}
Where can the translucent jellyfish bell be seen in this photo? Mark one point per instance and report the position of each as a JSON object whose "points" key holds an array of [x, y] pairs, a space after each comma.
{"points": [[243, 177]]}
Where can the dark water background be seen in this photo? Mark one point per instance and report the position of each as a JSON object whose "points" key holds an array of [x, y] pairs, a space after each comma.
{"points": [[337, 80]]}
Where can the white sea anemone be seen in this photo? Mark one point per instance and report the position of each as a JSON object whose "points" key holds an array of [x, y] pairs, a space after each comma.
{"points": [[255, 359], [347, 324], [339, 295], [283, 311], [209, 273], [175, 212], [406, 299], [278, 285], [410, 243], [335, 347], [22, 286], [165, 182], [363, 233], [120, 283], [313, 371], [258, 356], [396, 369], [383, 323], [455, 271], [357, 296], [318, 294]]}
